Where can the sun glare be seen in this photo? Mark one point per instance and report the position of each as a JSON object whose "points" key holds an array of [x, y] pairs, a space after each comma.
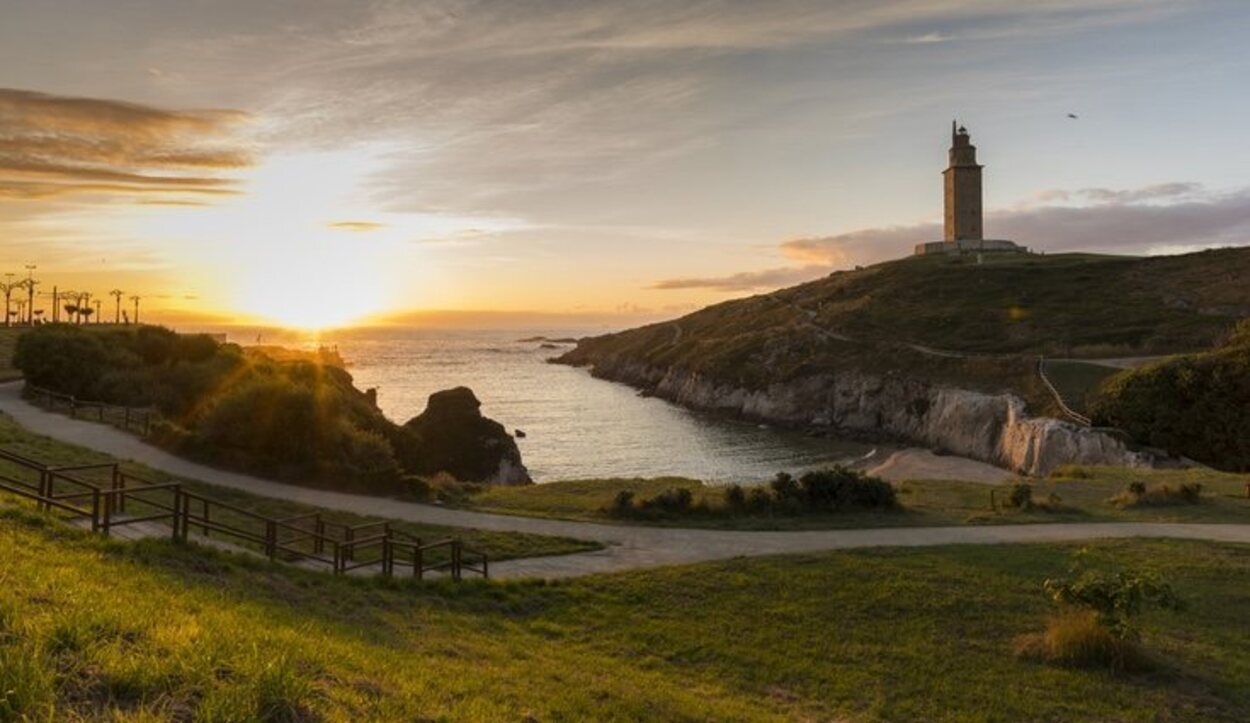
{"points": [[308, 244]]}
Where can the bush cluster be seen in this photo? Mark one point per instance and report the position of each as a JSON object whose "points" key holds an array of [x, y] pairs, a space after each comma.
{"points": [[1138, 494], [1196, 405], [830, 490], [296, 419]]}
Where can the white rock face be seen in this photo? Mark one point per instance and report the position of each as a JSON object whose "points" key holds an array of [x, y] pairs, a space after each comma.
{"points": [[992, 428]]}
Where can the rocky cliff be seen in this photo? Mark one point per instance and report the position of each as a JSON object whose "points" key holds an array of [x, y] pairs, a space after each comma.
{"points": [[990, 427]]}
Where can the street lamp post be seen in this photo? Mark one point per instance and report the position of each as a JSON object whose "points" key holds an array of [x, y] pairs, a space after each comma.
{"points": [[117, 296], [30, 291]]}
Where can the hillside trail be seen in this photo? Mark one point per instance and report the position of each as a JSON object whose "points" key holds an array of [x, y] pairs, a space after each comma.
{"points": [[626, 547]]}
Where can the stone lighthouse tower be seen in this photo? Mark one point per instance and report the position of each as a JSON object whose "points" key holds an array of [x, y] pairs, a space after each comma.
{"points": [[963, 189]]}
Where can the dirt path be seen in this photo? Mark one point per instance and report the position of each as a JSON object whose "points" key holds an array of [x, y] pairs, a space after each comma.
{"points": [[628, 547], [922, 464]]}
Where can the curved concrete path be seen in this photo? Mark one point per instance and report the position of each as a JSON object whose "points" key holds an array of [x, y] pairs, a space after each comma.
{"points": [[628, 547]]}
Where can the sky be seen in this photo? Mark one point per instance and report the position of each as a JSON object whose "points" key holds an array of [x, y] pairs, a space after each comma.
{"points": [[317, 162]]}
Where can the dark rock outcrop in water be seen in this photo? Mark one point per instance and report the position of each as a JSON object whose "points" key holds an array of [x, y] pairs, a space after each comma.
{"points": [[452, 436]]}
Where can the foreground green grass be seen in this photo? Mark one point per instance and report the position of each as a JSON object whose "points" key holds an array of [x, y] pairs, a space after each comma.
{"points": [[94, 629], [498, 545], [1083, 496]]}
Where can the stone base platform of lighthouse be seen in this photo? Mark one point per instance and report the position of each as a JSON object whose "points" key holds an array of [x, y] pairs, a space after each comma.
{"points": [[970, 246]]}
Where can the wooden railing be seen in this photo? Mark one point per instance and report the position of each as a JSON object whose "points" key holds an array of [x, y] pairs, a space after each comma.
{"points": [[1054, 392], [131, 419], [116, 499]]}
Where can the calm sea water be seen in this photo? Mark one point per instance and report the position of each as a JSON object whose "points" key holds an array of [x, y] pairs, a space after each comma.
{"points": [[576, 426]]}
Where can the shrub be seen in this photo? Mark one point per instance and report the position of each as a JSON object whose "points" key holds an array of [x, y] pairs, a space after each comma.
{"points": [[1115, 598], [785, 487], [1137, 494], [1075, 638], [678, 501], [61, 357], [1021, 496], [1070, 471], [1196, 405], [759, 501], [735, 499], [622, 504], [839, 487], [417, 488]]}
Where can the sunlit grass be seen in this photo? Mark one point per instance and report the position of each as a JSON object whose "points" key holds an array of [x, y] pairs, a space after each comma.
{"points": [[1083, 494], [497, 545], [93, 629]]}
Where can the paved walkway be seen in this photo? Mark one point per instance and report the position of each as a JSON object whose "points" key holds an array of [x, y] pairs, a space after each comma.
{"points": [[628, 547]]}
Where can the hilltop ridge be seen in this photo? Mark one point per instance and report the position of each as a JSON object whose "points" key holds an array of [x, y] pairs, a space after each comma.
{"points": [[876, 348]]}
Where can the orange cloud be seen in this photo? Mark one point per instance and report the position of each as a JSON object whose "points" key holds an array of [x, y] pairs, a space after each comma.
{"points": [[356, 226], [55, 146]]}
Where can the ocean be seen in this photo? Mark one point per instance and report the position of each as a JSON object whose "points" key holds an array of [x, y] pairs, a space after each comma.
{"points": [[575, 426]]}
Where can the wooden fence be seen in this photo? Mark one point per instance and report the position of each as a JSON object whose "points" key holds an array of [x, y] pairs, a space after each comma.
{"points": [[1063, 406], [109, 498], [131, 419]]}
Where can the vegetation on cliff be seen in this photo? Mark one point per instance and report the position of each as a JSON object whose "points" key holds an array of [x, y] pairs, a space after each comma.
{"points": [[295, 417], [904, 316], [1197, 405]]}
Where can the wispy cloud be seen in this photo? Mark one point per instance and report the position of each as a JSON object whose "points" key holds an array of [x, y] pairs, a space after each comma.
{"points": [[747, 280], [356, 226], [54, 145], [1125, 221]]}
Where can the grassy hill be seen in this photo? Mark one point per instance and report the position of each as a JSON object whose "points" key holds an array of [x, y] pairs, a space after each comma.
{"points": [[874, 318], [98, 630], [1195, 404]]}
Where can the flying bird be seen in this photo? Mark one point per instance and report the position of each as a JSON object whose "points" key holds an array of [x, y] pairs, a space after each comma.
{"points": [[1072, 116]]}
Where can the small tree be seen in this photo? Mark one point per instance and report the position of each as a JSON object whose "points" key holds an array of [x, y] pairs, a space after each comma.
{"points": [[1116, 598]]}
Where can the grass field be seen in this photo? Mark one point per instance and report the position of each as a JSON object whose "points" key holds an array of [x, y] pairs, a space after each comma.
{"points": [[498, 545], [1082, 498], [94, 629]]}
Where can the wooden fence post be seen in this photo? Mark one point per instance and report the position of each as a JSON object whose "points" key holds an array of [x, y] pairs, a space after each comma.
{"points": [[109, 501], [43, 489], [180, 513], [271, 539], [95, 509]]}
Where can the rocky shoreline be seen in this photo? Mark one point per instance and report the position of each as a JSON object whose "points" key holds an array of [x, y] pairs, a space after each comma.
{"points": [[992, 428]]}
